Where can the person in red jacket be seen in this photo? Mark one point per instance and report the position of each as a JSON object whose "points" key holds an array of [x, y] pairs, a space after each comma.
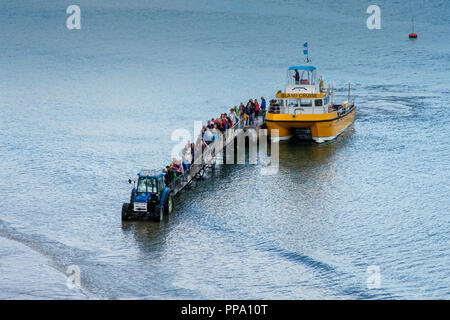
{"points": [[255, 102], [220, 125], [225, 121]]}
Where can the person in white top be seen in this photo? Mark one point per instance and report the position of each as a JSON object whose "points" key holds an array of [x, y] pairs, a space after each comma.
{"points": [[232, 116]]}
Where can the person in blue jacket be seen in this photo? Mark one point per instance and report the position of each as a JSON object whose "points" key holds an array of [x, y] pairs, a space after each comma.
{"points": [[263, 108]]}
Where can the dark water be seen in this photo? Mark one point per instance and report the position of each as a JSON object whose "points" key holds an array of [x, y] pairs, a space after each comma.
{"points": [[83, 110]]}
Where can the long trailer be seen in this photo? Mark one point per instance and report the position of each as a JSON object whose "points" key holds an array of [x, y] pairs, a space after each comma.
{"points": [[151, 197]]}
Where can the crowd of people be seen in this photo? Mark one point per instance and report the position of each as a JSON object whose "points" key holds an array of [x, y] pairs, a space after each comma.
{"points": [[251, 111], [245, 114]]}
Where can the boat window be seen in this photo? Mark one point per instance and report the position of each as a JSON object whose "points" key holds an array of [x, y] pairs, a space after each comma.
{"points": [[327, 99], [280, 102], [318, 102], [292, 103], [306, 102]]}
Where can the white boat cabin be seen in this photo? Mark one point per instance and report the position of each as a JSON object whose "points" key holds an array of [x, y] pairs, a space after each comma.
{"points": [[304, 93]]}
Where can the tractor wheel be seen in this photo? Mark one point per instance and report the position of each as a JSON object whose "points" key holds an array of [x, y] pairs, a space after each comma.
{"points": [[168, 206], [159, 213], [126, 211]]}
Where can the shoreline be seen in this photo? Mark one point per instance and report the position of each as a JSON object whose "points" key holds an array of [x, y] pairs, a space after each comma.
{"points": [[27, 274]]}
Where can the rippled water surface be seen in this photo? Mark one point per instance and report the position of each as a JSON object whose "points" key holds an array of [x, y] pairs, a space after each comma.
{"points": [[84, 110]]}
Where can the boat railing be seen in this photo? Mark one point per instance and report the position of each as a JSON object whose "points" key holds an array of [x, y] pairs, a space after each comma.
{"points": [[296, 109], [209, 153]]}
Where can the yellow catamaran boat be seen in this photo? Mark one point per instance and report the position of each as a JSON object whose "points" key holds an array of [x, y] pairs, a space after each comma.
{"points": [[306, 107]]}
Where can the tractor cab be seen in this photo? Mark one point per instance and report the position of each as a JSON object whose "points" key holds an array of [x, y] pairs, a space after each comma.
{"points": [[149, 182], [150, 196], [148, 190]]}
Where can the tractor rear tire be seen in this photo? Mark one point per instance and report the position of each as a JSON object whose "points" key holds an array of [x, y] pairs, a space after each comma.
{"points": [[126, 215], [168, 206]]}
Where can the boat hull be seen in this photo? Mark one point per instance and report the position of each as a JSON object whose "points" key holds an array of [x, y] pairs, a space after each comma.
{"points": [[322, 127]]}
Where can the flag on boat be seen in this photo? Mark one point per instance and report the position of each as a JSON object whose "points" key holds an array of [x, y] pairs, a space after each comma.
{"points": [[305, 45]]}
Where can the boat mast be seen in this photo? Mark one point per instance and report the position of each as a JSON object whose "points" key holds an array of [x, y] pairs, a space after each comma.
{"points": [[307, 60], [306, 52], [412, 25]]}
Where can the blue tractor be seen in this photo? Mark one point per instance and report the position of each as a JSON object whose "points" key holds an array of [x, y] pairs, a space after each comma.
{"points": [[149, 198]]}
